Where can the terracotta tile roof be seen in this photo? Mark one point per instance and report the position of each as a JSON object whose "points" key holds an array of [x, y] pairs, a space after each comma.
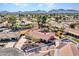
{"points": [[69, 50], [61, 45], [73, 31], [9, 35], [45, 36]]}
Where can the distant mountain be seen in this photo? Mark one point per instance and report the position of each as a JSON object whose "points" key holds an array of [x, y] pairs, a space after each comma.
{"points": [[42, 11], [37, 11], [4, 12], [55, 11], [63, 11]]}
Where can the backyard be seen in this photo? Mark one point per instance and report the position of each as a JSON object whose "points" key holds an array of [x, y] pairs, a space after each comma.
{"points": [[73, 38]]}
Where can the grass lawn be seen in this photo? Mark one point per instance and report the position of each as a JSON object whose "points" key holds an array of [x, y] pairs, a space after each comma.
{"points": [[75, 39]]}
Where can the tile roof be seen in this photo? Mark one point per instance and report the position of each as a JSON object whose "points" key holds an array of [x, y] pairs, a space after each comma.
{"points": [[69, 50], [8, 35], [45, 36], [73, 31], [61, 45]]}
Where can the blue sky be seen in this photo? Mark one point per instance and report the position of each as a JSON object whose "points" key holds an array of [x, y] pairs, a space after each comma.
{"points": [[36, 6]]}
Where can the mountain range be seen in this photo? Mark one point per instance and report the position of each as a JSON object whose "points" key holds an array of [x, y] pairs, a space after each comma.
{"points": [[42, 11]]}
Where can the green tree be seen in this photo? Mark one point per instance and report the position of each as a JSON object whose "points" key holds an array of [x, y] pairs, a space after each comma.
{"points": [[38, 21], [12, 20], [72, 25], [41, 21], [56, 19]]}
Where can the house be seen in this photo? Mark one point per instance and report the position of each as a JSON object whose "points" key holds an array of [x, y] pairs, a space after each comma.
{"points": [[9, 35], [77, 27], [21, 42], [69, 50], [10, 44], [45, 36], [5, 30], [25, 22], [4, 24], [72, 32]]}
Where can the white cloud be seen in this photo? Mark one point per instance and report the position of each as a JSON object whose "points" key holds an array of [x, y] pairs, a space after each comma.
{"points": [[21, 4], [46, 4], [40, 5], [49, 5]]}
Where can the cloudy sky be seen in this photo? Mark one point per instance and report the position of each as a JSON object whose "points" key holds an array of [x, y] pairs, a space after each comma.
{"points": [[36, 6]]}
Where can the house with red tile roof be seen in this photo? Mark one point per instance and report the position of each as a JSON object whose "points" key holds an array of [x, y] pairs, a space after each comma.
{"points": [[46, 36], [69, 50], [72, 32]]}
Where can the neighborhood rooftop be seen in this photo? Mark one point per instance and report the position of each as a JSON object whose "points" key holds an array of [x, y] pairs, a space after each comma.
{"points": [[69, 50], [45, 36], [7, 35], [75, 32]]}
